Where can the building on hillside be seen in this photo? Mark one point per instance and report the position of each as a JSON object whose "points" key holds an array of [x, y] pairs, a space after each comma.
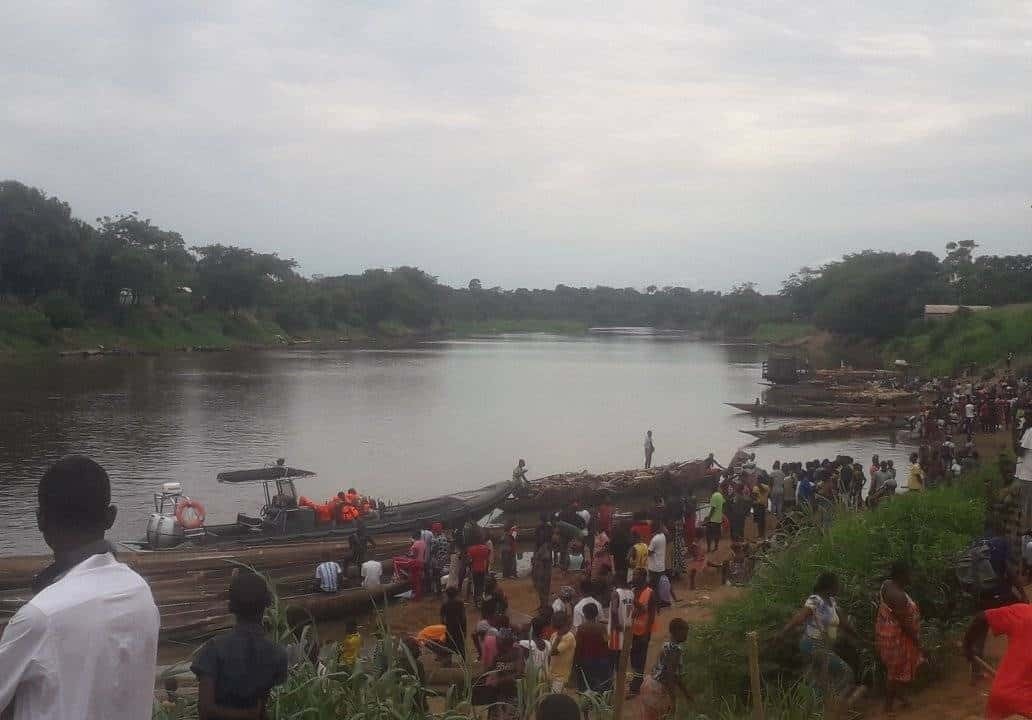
{"points": [[940, 312]]}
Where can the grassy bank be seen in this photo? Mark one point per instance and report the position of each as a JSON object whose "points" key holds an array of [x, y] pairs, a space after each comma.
{"points": [[779, 332], [944, 347], [26, 330], [927, 530]]}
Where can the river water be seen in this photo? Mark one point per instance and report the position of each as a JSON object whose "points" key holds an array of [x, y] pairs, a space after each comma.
{"points": [[401, 424]]}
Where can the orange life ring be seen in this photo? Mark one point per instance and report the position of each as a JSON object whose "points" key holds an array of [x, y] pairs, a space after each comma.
{"points": [[190, 514]]}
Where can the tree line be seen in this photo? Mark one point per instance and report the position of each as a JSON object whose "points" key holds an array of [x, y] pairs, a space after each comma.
{"points": [[76, 272]]}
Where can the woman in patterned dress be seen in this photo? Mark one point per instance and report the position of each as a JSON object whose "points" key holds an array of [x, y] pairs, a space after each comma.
{"points": [[897, 634]]}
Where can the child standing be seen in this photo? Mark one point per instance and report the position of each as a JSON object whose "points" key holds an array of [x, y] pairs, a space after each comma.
{"points": [[453, 615], [349, 648], [658, 692], [237, 671]]}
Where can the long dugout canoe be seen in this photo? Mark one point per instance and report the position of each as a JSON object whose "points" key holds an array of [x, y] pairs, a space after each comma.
{"points": [[824, 410]]}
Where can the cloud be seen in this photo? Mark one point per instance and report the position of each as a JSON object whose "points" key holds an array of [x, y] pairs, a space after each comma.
{"points": [[531, 143]]}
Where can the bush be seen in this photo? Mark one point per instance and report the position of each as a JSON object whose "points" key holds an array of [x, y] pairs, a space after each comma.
{"points": [[24, 328], [62, 310], [943, 347], [927, 530]]}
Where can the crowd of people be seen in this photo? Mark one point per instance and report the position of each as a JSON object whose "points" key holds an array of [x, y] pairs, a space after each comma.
{"points": [[85, 645]]}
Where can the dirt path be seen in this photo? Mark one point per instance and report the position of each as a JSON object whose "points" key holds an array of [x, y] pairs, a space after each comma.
{"points": [[953, 697]]}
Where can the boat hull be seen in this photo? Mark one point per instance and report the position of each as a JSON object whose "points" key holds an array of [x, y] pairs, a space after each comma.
{"points": [[404, 518], [824, 410]]}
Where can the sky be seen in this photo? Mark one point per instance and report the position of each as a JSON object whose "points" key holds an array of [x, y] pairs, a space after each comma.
{"points": [[533, 143]]}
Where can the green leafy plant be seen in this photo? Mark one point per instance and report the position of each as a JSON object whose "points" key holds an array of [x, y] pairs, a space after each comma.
{"points": [[927, 530]]}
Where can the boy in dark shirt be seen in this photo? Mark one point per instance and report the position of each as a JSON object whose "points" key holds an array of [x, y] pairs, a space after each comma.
{"points": [[453, 615], [236, 671]]}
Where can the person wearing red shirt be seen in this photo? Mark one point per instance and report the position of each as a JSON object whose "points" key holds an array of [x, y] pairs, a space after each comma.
{"points": [[643, 527], [479, 555], [1011, 693]]}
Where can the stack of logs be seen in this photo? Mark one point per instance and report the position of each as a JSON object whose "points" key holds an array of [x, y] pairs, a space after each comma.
{"points": [[190, 588], [557, 491]]}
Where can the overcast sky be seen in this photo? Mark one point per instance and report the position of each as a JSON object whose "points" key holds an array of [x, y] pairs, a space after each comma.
{"points": [[529, 144]]}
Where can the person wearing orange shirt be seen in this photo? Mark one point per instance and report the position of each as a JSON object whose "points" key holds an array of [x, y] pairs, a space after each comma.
{"points": [[643, 618]]}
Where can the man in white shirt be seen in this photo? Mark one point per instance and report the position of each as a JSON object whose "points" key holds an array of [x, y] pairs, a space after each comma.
{"points": [[1023, 468], [327, 577], [657, 558], [578, 610], [372, 571], [592, 589], [85, 646]]}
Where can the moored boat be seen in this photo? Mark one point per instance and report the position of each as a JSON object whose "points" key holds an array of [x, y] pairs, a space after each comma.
{"points": [[814, 429], [178, 522], [824, 410]]}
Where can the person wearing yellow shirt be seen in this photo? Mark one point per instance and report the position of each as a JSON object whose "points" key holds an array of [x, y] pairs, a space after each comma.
{"points": [[637, 557], [916, 475], [349, 648], [563, 650], [760, 497]]}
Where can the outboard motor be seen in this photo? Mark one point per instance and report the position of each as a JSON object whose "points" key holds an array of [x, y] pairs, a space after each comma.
{"points": [[163, 529]]}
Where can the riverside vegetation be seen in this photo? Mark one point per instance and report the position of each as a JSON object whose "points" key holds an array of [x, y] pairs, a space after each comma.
{"points": [[123, 281]]}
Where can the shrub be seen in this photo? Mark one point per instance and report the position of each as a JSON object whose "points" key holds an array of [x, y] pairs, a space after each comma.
{"points": [[62, 310], [22, 327], [927, 530]]}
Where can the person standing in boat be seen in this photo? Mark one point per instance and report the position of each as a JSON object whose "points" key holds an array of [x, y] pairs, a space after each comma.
{"points": [[358, 542], [519, 477], [650, 448]]}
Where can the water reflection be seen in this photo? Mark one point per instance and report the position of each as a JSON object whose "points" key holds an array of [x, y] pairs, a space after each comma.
{"points": [[403, 424]]}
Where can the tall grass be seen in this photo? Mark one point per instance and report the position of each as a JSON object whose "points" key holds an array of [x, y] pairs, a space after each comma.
{"points": [[943, 347], [333, 692], [776, 332], [927, 530]]}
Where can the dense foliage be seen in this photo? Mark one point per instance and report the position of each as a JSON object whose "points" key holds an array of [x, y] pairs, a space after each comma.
{"points": [[968, 340], [927, 530], [73, 273]]}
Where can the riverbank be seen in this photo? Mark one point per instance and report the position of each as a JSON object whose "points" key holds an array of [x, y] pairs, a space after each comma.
{"points": [[967, 341], [27, 332]]}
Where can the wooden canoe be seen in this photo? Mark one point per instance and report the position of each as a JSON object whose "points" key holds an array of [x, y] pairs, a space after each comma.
{"points": [[812, 430], [824, 410]]}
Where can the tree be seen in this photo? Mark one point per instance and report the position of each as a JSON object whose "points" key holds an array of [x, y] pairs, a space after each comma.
{"points": [[475, 285], [959, 268], [42, 247], [874, 294], [233, 278]]}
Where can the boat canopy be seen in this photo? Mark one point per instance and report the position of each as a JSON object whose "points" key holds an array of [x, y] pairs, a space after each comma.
{"points": [[262, 475]]}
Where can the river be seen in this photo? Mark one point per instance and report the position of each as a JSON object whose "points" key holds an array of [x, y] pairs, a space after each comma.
{"points": [[400, 424]]}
